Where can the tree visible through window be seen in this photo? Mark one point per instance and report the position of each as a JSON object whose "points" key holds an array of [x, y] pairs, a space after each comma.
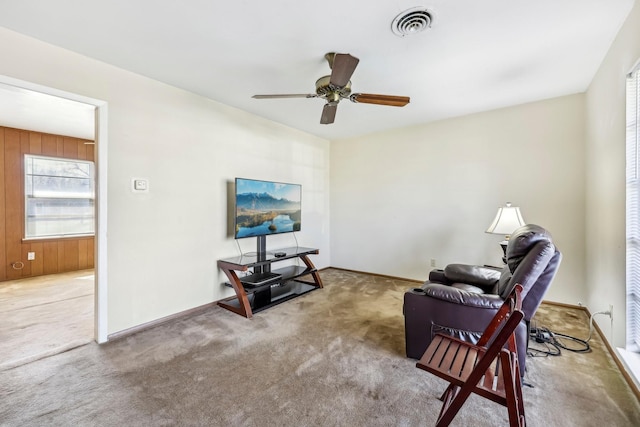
{"points": [[59, 197]]}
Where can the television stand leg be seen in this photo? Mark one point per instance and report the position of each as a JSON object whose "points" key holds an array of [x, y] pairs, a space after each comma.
{"points": [[244, 308], [314, 274]]}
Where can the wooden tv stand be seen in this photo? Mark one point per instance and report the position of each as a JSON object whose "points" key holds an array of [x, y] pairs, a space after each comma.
{"points": [[265, 287]]}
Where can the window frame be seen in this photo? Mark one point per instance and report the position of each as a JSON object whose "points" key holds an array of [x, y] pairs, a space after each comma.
{"points": [[26, 196]]}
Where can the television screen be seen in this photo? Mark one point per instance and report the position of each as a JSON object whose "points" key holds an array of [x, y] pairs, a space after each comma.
{"points": [[265, 207]]}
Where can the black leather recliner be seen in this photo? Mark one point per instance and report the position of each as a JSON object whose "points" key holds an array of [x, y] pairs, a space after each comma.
{"points": [[462, 299]]}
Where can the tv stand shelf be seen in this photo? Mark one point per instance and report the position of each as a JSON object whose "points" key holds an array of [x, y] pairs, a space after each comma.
{"points": [[265, 287]]}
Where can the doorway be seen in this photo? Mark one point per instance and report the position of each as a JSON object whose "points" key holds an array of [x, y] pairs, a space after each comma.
{"points": [[99, 124]]}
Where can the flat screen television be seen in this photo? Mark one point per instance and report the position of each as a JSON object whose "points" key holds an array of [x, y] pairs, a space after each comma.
{"points": [[265, 207]]}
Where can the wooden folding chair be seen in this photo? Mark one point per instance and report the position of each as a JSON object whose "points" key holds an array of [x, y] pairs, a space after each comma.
{"points": [[489, 368]]}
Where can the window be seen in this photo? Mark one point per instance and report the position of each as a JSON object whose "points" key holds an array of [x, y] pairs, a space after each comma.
{"points": [[59, 197], [633, 211]]}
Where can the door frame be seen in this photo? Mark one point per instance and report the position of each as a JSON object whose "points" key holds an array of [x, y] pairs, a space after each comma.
{"points": [[100, 282]]}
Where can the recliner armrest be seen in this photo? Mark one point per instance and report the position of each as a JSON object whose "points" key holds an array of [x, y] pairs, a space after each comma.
{"points": [[455, 295], [477, 275], [438, 276]]}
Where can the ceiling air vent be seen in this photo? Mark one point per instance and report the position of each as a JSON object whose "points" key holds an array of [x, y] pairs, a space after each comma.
{"points": [[412, 21]]}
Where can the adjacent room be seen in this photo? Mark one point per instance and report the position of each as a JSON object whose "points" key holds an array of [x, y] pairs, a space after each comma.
{"points": [[47, 291], [271, 180]]}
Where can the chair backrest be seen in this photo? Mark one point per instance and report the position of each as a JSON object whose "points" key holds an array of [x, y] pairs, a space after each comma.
{"points": [[500, 329], [532, 261]]}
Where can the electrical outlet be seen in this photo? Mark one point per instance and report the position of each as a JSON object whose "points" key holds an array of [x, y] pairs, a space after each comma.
{"points": [[607, 312], [31, 256], [433, 262]]}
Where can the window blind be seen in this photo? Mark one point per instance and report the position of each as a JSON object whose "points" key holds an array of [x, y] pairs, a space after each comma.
{"points": [[633, 211], [59, 197]]}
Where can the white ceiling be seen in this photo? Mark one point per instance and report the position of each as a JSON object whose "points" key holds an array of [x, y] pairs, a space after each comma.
{"points": [[478, 55], [25, 109]]}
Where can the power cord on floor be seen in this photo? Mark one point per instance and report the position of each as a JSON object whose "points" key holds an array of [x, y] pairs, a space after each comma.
{"points": [[554, 342]]}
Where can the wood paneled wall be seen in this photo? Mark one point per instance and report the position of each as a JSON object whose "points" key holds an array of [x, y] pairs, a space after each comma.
{"points": [[51, 255]]}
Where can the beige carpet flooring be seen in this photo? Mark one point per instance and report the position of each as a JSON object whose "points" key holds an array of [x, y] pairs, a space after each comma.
{"points": [[45, 315], [334, 357]]}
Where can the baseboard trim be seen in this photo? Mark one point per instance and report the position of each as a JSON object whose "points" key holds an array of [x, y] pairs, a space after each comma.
{"points": [[562, 304], [196, 310], [152, 324], [616, 358], [612, 352], [404, 279]]}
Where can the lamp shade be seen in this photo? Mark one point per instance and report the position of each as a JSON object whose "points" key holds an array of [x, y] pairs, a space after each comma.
{"points": [[507, 220]]}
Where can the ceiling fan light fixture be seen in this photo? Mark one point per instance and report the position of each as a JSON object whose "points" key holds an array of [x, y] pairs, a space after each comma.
{"points": [[333, 98], [337, 86], [412, 21]]}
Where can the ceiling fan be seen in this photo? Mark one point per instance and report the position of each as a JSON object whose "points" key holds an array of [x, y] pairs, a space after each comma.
{"points": [[337, 86]]}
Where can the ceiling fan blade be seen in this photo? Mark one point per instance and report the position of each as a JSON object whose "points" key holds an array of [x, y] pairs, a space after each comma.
{"points": [[291, 95], [328, 114], [342, 68], [370, 98]]}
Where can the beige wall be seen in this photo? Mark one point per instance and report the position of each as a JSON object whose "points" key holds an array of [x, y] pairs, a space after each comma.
{"points": [[402, 198], [605, 177], [163, 245]]}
